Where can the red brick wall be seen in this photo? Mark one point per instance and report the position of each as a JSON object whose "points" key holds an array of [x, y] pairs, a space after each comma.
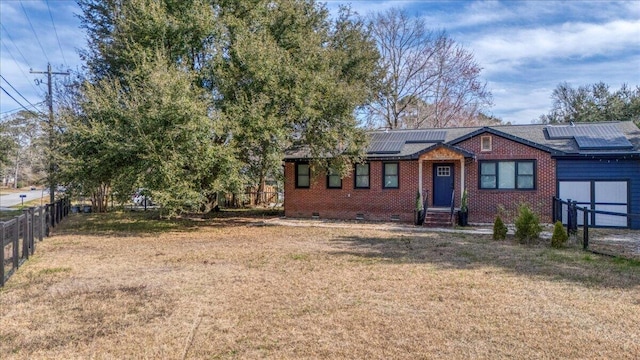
{"points": [[484, 204], [374, 203], [381, 204]]}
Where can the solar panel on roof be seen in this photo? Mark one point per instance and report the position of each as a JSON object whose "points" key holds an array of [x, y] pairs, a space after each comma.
{"points": [[586, 142], [592, 136], [391, 142], [426, 136], [385, 147], [561, 132]]}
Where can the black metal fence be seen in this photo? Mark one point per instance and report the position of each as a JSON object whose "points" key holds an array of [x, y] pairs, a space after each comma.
{"points": [[18, 235], [605, 232]]}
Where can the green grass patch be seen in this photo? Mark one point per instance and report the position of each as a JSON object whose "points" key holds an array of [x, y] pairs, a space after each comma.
{"points": [[303, 257], [556, 256], [627, 263], [55, 270], [366, 260], [131, 223], [467, 254], [248, 212], [588, 258], [9, 214]]}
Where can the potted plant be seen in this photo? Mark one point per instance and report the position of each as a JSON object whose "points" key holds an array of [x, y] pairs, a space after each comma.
{"points": [[418, 218], [463, 213]]}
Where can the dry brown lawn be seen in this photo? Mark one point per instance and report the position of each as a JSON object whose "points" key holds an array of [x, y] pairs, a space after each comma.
{"points": [[125, 287]]}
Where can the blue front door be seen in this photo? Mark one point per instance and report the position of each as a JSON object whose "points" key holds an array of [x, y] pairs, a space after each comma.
{"points": [[442, 184]]}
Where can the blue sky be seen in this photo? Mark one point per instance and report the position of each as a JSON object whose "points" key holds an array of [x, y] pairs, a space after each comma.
{"points": [[525, 47]]}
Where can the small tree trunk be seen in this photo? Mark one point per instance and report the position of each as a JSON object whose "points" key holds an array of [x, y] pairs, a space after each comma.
{"points": [[261, 186]]}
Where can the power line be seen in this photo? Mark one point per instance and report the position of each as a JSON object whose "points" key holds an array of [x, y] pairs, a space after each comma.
{"points": [[16, 109], [18, 64], [34, 31], [56, 32], [17, 102], [16, 90], [14, 44]]}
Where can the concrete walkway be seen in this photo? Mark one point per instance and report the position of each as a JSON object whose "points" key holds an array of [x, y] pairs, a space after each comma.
{"points": [[622, 242], [477, 230]]}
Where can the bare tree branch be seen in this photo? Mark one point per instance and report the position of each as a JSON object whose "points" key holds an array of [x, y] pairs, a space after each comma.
{"points": [[430, 80]]}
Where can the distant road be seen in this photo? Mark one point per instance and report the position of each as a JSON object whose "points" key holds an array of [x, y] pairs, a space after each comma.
{"points": [[15, 199]]}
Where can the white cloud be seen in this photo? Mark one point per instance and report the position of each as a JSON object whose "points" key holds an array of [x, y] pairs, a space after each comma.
{"points": [[524, 97], [471, 15], [520, 104], [501, 51], [525, 47]]}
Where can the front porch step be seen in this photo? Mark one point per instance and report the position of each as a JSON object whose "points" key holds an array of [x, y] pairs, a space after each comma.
{"points": [[439, 218]]}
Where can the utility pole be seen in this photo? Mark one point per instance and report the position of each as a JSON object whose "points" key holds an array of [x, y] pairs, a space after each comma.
{"points": [[52, 167]]}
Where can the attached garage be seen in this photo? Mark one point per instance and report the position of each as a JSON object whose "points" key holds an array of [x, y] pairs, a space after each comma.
{"points": [[606, 184], [603, 195]]}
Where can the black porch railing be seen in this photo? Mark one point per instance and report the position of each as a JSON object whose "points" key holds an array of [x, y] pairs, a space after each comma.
{"points": [[453, 196]]}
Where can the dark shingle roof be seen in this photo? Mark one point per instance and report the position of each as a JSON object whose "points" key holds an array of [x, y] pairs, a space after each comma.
{"points": [[612, 138]]}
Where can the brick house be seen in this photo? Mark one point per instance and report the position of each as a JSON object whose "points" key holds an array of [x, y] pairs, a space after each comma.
{"points": [[499, 166]]}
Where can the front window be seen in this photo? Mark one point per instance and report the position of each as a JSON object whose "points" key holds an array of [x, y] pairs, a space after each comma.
{"points": [[507, 175], [362, 176], [334, 180], [303, 175], [525, 175], [390, 175]]}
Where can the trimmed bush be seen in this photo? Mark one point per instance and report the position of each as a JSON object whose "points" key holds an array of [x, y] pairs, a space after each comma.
{"points": [[559, 237], [527, 225], [499, 229]]}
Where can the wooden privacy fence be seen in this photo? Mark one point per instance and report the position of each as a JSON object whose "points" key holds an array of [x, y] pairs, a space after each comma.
{"points": [[18, 235], [574, 216]]}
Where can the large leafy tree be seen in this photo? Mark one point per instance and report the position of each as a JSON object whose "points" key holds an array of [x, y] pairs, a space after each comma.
{"points": [[22, 146], [429, 79], [286, 74], [188, 98], [6, 146], [154, 132], [593, 102], [141, 117]]}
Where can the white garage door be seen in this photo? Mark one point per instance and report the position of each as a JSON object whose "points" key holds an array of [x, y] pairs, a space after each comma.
{"points": [[609, 196], [579, 191]]}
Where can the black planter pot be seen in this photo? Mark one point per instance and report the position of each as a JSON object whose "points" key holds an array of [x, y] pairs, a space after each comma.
{"points": [[463, 218], [418, 218]]}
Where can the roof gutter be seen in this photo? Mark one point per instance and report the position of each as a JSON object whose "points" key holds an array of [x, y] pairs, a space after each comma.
{"points": [[626, 155]]}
